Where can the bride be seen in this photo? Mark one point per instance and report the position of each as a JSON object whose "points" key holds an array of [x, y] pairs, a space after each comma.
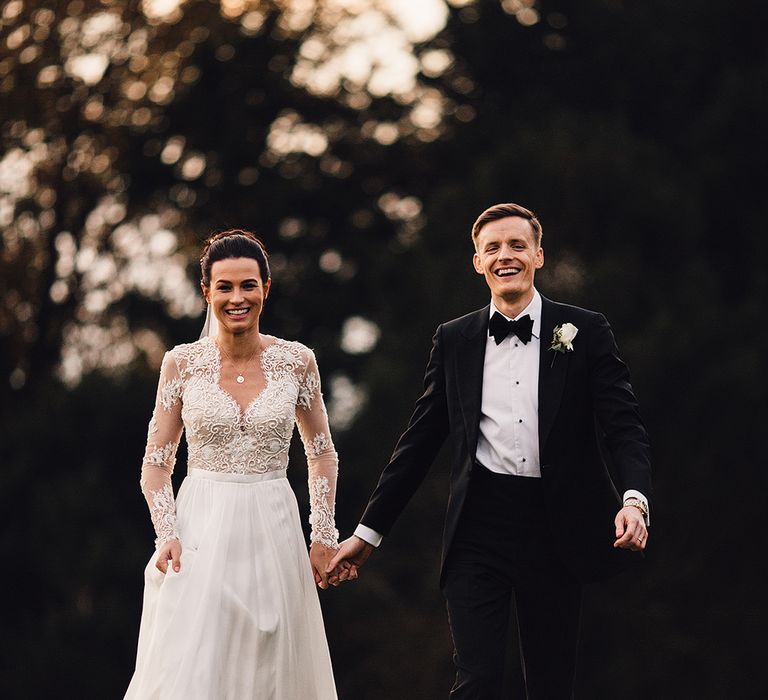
{"points": [[236, 615]]}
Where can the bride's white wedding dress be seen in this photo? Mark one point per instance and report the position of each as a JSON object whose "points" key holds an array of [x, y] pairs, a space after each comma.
{"points": [[241, 619]]}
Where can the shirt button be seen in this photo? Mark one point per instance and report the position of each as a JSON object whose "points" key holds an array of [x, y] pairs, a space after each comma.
{"points": [[523, 459], [517, 382], [520, 421]]}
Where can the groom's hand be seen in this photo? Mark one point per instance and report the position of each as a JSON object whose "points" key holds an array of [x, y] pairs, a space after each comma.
{"points": [[631, 532], [355, 551]]}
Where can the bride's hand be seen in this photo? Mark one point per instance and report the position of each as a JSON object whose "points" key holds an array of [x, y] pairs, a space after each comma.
{"points": [[320, 556], [170, 550]]}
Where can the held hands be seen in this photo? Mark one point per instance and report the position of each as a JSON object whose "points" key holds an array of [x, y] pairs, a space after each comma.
{"points": [[631, 532], [170, 550], [320, 557], [351, 555], [332, 566]]}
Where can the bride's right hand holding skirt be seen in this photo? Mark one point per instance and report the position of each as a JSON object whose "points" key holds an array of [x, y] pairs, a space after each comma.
{"points": [[169, 551]]}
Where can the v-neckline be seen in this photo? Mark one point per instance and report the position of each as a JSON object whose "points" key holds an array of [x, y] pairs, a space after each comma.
{"points": [[242, 412]]}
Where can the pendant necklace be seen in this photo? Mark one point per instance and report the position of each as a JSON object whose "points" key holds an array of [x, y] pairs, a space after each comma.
{"points": [[240, 378]]}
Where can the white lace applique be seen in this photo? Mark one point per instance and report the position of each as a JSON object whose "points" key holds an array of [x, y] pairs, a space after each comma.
{"points": [[222, 437], [152, 430], [282, 359], [321, 516], [163, 513], [170, 393], [164, 456], [320, 443], [308, 389]]}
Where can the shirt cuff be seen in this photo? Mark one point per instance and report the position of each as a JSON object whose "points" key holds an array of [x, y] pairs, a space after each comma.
{"points": [[632, 493], [370, 536]]}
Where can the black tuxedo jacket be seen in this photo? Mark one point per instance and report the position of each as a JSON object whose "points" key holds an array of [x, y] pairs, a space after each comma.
{"points": [[585, 401]]}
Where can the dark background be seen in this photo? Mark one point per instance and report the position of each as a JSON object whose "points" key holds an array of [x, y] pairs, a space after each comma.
{"points": [[635, 129]]}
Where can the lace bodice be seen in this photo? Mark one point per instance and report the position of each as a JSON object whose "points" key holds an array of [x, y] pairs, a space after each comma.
{"points": [[223, 437]]}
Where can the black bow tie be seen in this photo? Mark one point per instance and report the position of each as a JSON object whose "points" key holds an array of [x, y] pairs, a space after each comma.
{"points": [[500, 328]]}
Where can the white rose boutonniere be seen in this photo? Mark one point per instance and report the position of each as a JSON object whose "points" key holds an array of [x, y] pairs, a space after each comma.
{"points": [[562, 339]]}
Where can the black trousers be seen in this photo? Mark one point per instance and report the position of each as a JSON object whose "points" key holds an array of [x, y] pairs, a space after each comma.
{"points": [[503, 548]]}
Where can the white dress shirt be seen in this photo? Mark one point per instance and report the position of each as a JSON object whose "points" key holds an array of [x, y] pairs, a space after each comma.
{"points": [[508, 439]]}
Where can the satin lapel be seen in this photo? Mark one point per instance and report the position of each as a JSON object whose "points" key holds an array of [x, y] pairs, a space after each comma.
{"points": [[470, 356], [552, 370]]}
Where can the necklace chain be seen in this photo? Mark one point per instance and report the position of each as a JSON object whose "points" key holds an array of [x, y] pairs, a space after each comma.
{"points": [[240, 379]]}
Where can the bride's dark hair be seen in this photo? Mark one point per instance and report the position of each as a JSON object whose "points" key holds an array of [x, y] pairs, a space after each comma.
{"points": [[233, 243]]}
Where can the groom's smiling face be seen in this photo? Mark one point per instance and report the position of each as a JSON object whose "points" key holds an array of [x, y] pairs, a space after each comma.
{"points": [[507, 255]]}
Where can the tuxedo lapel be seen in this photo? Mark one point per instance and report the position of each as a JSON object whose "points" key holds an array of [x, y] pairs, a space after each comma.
{"points": [[470, 356], [552, 370]]}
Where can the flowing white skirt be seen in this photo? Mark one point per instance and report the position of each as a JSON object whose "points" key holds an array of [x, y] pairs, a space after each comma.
{"points": [[241, 619]]}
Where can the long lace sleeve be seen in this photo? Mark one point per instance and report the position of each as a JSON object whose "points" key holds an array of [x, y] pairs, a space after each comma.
{"points": [[322, 460], [160, 456]]}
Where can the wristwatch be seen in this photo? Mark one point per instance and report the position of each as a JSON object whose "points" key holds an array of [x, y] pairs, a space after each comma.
{"points": [[639, 504]]}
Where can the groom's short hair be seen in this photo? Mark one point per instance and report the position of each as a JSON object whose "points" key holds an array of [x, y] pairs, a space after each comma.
{"points": [[502, 211]]}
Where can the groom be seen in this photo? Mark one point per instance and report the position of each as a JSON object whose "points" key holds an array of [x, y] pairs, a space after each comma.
{"points": [[527, 391]]}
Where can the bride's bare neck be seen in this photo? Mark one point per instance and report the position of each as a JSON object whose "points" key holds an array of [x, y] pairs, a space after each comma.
{"points": [[241, 346]]}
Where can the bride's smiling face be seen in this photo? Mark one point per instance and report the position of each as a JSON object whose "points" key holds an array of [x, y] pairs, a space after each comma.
{"points": [[237, 293]]}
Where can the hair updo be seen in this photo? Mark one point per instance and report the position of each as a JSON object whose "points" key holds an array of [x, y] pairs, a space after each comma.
{"points": [[234, 243]]}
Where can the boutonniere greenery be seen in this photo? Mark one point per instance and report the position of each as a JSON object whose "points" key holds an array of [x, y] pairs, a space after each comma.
{"points": [[562, 339]]}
